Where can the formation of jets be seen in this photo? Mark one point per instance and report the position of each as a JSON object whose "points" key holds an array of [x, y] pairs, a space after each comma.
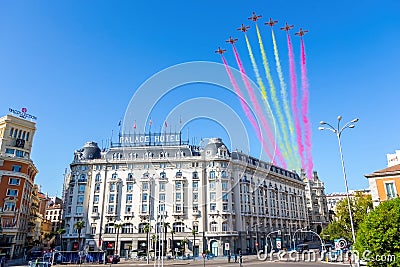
{"points": [[254, 17]]}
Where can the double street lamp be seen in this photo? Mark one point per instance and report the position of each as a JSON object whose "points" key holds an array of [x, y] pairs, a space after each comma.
{"points": [[338, 132]]}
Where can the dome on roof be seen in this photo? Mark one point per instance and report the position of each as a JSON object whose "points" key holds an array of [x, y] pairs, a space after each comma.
{"points": [[90, 151], [214, 144]]}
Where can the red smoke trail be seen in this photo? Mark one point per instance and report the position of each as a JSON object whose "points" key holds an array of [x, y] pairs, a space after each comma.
{"points": [[304, 112], [246, 109], [257, 107], [293, 89]]}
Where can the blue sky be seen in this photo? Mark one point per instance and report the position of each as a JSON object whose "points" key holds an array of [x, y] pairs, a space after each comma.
{"points": [[76, 64]]}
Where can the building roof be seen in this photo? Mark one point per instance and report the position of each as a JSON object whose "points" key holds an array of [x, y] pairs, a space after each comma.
{"points": [[392, 170]]}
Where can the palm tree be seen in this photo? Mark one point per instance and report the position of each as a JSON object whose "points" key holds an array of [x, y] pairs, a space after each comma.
{"points": [[146, 229], [117, 226], [184, 242], [166, 226], [79, 226], [194, 232], [173, 244], [60, 232]]}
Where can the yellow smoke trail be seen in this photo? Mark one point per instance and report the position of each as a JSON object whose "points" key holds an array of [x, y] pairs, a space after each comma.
{"points": [[264, 94], [286, 106], [275, 102]]}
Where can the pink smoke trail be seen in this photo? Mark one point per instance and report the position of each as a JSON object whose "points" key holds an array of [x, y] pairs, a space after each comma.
{"points": [[257, 107], [304, 112], [246, 109], [293, 89]]}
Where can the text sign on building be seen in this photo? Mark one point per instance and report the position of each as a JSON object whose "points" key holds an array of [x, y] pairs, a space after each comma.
{"points": [[150, 139], [22, 113]]}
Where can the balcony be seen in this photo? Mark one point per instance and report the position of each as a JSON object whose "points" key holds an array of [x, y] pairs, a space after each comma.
{"points": [[196, 213], [95, 215]]}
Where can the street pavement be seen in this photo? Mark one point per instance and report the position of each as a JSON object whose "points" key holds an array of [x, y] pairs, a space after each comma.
{"points": [[248, 261]]}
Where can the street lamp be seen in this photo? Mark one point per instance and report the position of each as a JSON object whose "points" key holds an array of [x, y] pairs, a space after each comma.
{"points": [[338, 132]]}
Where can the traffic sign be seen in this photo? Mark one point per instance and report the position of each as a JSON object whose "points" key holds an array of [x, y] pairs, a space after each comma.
{"points": [[226, 246], [278, 243]]}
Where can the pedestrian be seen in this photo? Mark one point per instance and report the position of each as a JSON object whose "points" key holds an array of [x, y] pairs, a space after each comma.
{"points": [[235, 257], [229, 256], [3, 261]]}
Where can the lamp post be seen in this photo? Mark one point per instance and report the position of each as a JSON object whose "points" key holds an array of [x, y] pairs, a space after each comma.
{"points": [[338, 132]]}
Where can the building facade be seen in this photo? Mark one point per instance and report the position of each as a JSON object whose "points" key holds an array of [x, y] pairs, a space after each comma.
{"points": [[17, 175], [384, 184], [54, 213], [206, 198], [334, 198], [318, 214]]}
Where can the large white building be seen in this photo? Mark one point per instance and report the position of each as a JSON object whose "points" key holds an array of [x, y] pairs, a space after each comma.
{"points": [[210, 198]]}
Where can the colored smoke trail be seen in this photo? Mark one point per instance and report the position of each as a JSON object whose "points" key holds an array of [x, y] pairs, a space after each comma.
{"points": [[283, 129], [256, 106], [304, 105], [264, 92], [293, 90], [286, 106], [246, 109]]}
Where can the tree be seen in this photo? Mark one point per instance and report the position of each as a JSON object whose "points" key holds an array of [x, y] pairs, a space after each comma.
{"points": [[378, 235], [194, 232], [184, 242], [60, 232], [117, 226], [166, 226], [173, 242], [79, 225], [146, 229], [341, 228]]}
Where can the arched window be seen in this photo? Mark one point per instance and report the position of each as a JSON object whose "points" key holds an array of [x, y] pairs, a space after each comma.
{"points": [[127, 228], [110, 228], [141, 227], [163, 175], [98, 177]]}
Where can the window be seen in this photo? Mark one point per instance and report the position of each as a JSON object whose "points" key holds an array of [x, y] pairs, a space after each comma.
{"points": [[163, 175], [212, 185], [178, 185], [11, 132], [225, 227], [12, 192], [128, 208], [178, 208], [225, 206], [178, 227], [212, 196], [390, 190], [129, 198], [212, 174], [225, 197], [80, 199], [79, 209], [82, 178], [10, 151], [81, 188], [13, 181], [223, 174], [97, 188], [214, 227], [111, 209], [98, 177], [195, 175], [161, 197], [145, 186], [129, 187], [114, 176], [27, 136], [195, 207], [178, 196], [19, 153], [144, 197], [195, 186], [9, 206], [144, 208], [16, 168], [162, 186], [195, 197], [112, 187], [163, 165], [224, 186], [161, 207], [111, 198], [95, 209], [213, 206]]}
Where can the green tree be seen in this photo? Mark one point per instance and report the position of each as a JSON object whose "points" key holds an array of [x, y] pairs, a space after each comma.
{"points": [[60, 232], [173, 242], [166, 226], [378, 235], [79, 225], [341, 228], [146, 229]]}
